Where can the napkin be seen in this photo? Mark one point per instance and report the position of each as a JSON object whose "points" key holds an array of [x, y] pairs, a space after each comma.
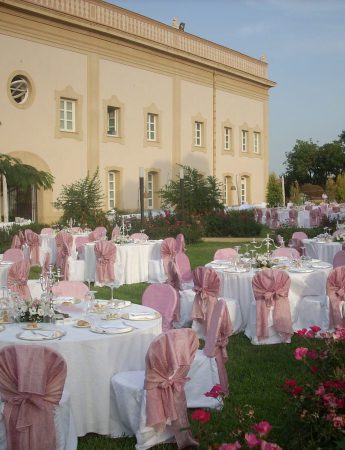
{"points": [[38, 335], [141, 316]]}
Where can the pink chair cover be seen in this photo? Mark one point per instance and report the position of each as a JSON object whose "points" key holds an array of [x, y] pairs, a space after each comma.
{"points": [[206, 288], [97, 234], [285, 251], [21, 237], [296, 240], [168, 252], [174, 280], [80, 242], [32, 239], [139, 236], [31, 384], [339, 259], [268, 217], [105, 252], [60, 238], [116, 232], [76, 230], [343, 246], [17, 279], [258, 213], [323, 209], [271, 288], [180, 244], [168, 360], [184, 267], [225, 253], [314, 217], [13, 254], [293, 217], [47, 231], [76, 289], [16, 243], [336, 294], [274, 218], [217, 340], [162, 298]]}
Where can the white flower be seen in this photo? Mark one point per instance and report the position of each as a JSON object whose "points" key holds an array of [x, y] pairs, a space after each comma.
{"points": [[40, 312]]}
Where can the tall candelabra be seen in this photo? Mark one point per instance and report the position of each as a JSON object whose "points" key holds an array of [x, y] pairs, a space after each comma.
{"points": [[267, 242], [47, 281]]}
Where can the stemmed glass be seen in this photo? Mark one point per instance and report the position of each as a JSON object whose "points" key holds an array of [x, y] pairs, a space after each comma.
{"points": [[113, 284]]}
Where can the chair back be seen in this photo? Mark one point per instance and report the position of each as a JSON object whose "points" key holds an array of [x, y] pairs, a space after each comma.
{"points": [[168, 361], [217, 340], [47, 231], [116, 232], [225, 253], [32, 378], [13, 254], [336, 293], [296, 240], [16, 243], [285, 251], [162, 298], [206, 288], [293, 217], [180, 244], [268, 217], [139, 236], [21, 237], [61, 238], [271, 291], [258, 215], [32, 239], [76, 289], [274, 218], [314, 217], [339, 259], [168, 252], [105, 252], [17, 279], [97, 234], [80, 241], [184, 267]]}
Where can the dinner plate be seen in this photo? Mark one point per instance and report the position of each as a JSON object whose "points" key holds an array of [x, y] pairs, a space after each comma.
{"points": [[301, 270], [44, 336], [112, 329], [235, 270], [88, 325], [29, 326], [321, 265], [141, 316], [111, 317], [119, 304]]}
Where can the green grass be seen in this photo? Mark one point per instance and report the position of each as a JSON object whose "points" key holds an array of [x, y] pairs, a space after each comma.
{"points": [[255, 375]]}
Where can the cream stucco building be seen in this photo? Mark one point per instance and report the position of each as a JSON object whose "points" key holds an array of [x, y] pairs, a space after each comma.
{"points": [[85, 84]]}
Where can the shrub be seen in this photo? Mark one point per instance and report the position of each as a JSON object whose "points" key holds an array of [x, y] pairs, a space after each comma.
{"points": [[231, 223]]}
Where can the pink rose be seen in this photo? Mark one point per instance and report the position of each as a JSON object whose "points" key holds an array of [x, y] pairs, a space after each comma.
{"points": [[233, 446], [314, 369], [262, 428], [312, 354], [201, 415], [301, 332], [290, 382], [215, 391], [296, 391], [300, 353], [269, 446], [315, 328], [252, 440], [338, 422]]}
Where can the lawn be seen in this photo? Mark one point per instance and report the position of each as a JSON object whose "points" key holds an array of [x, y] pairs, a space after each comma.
{"points": [[256, 374]]}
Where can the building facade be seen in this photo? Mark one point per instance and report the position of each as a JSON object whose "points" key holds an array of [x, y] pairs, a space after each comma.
{"points": [[86, 85]]}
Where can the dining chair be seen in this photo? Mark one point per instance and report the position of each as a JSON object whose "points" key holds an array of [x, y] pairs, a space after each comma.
{"points": [[296, 240], [339, 259], [17, 279], [60, 238], [105, 252], [336, 294], [274, 218], [46, 231], [116, 232], [293, 217], [180, 244], [32, 239], [139, 236], [97, 234], [153, 403], [268, 217], [258, 215], [163, 298], [183, 264], [37, 413], [168, 252], [225, 253], [16, 243], [13, 254], [286, 251], [208, 367], [206, 288], [80, 242], [76, 289], [270, 316]]}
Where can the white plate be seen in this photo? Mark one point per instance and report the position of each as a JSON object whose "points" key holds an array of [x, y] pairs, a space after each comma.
{"points": [[88, 325], [141, 316], [300, 270], [119, 304], [321, 265], [35, 336], [234, 270], [111, 330], [30, 327], [66, 301]]}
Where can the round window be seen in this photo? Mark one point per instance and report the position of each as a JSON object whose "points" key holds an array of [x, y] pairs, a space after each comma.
{"points": [[20, 89]]}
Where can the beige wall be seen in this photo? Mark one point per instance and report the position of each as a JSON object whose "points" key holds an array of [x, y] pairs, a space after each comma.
{"points": [[97, 69]]}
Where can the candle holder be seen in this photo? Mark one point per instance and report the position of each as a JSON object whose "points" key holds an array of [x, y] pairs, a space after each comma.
{"points": [[47, 281], [267, 242]]}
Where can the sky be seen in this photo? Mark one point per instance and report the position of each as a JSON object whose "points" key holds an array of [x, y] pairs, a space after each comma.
{"points": [[304, 43]]}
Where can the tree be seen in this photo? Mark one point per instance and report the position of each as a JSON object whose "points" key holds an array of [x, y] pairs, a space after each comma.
{"points": [[81, 201], [24, 175], [274, 194], [201, 194], [340, 188], [295, 195], [329, 162], [300, 162], [330, 189]]}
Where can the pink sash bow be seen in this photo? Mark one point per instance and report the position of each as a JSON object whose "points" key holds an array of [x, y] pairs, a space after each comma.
{"points": [[336, 294], [105, 252], [17, 279]]}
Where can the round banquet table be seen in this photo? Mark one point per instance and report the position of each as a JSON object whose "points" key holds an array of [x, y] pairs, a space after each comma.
{"points": [[238, 285], [4, 267], [92, 359], [48, 244], [321, 250], [131, 263]]}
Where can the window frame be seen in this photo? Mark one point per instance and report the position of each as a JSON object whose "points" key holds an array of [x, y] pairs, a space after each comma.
{"points": [[64, 111], [244, 189], [227, 139], [116, 111], [244, 141], [150, 190], [198, 133], [111, 198], [256, 142], [151, 127]]}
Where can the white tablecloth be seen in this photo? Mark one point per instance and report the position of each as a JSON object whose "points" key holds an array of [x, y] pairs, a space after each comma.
{"points": [[4, 267], [131, 264], [92, 359], [47, 243], [321, 250]]}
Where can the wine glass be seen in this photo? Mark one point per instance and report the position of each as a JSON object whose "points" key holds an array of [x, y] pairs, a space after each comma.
{"points": [[113, 284]]}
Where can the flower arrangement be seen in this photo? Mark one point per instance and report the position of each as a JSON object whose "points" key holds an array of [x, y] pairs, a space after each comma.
{"points": [[339, 235], [317, 406], [31, 310], [251, 437], [262, 262]]}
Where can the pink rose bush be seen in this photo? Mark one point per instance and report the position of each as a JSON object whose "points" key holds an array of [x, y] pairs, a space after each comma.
{"points": [[316, 407]]}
